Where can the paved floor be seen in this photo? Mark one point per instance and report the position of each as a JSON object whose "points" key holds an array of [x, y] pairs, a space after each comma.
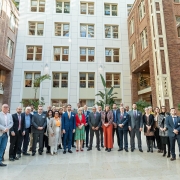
{"points": [[93, 165]]}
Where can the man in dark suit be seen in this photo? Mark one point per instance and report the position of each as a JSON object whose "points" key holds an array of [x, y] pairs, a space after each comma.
{"points": [[86, 113], [26, 120], [123, 123], [94, 125], [101, 133], [15, 135], [68, 127], [173, 127], [136, 125], [38, 126]]}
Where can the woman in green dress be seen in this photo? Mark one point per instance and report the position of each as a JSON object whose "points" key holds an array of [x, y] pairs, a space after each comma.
{"points": [[80, 129]]}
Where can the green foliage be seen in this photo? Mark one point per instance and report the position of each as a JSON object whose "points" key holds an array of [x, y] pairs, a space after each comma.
{"points": [[141, 104], [178, 107], [107, 97]]}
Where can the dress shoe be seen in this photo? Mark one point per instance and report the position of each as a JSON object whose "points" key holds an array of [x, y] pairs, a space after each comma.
{"points": [[148, 150], [30, 149], [81, 150], [120, 149], [172, 159], [77, 150], [11, 159], [106, 149], [59, 147], [168, 156], [26, 154], [89, 149], [16, 158], [140, 150], [69, 151], [64, 152], [102, 145], [40, 153], [126, 150], [33, 154], [87, 146], [109, 150], [98, 149], [159, 151], [19, 155], [179, 155], [73, 146], [2, 165], [2, 158], [164, 154], [132, 150]]}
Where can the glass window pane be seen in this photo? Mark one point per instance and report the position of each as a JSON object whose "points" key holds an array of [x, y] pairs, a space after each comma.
{"points": [[90, 51], [82, 76], [114, 10], [83, 51], [40, 28], [39, 49], [107, 31], [91, 31], [57, 51], [36, 75], [107, 9], [55, 76], [65, 50], [56, 84], [30, 49], [28, 76], [64, 76], [57, 29], [91, 76], [90, 8], [83, 8], [108, 52], [32, 27], [108, 76], [90, 84], [66, 30], [83, 30], [116, 51], [58, 7], [66, 7]]}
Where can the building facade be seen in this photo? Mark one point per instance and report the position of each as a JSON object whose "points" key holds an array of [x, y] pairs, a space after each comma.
{"points": [[8, 35], [154, 41], [74, 41]]}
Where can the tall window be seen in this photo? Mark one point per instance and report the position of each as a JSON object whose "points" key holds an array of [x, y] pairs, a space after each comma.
{"points": [[59, 102], [131, 26], [37, 5], [86, 80], [111, 31], [178, 25], [144, 40], [12, 22], [61, 53], [30, 77], [34, 53], [1, 7], [36, 28], [60, 80], [9, 48], [177, 1], [87, 8], [129, 6], [112, 55], [88, 102], [142, 10], [87, 30], [110, 10], [133, 52], [87, 54], [112, 79], [62, 6], [61, 29]]}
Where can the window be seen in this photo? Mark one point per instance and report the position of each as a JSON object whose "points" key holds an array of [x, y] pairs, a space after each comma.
{"points": [[129, 6], [110, 10], [177, 1], [112, 54], [87, 30], [87, 8], [178, 25], [142, 10], [12, 22], [133, 52], [59, 102], [111, 31], [34, 53], [89, 102], [86, 80], [60, 80], [9, 48], [61, 53], [36, 28], [30, 77], [144, 40], [37, 5], [61, 29], [131, 26], [87, 54], [62, 6], [1, 7], [113, 79]]}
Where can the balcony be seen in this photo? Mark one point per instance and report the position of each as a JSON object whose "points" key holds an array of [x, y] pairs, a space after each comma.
{"points": [[1, 88], [144, 85]]}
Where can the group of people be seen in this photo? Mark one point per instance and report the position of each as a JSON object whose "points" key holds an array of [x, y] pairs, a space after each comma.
{"points": [[60, 128]]}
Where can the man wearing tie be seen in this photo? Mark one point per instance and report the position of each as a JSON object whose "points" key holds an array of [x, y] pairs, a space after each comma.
{"points": [[68, 127], [38, 125], [173, 127], [6, 123], [136, 125], [15, 134], [94, 125], [123, 123]]}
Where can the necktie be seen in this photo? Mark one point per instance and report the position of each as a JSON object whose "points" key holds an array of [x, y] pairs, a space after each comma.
{"points": [[69, 114], [175, 121], [115, 114], [19, 118], [95, 115], [121, 116]]}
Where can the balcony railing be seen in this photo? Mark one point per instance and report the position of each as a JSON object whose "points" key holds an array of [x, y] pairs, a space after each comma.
{"points": [[1, 86], [144, 83]]}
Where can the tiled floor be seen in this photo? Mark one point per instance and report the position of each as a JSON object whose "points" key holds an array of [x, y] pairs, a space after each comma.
{"points": [[93, 165]]}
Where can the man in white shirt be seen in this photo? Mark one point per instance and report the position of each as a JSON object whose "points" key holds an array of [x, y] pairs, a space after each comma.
{"points": [[6, 123]]}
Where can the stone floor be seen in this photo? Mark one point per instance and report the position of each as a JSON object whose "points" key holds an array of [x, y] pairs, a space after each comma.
{"points": [[93, 165]]}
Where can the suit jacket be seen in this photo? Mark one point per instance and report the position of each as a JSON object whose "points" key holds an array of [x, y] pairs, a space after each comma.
{"points": [[15, 126], [38, 121], [2, 122], [95, 122], [114, 116], [68, 123], [23, 122], [136, 122], [109, 117], [125, 121], [162, 124], [170, 125], [87, 115], [151, 122]]}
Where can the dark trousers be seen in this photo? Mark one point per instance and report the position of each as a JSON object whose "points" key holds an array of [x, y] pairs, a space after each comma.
{"points": [[91, 137], [101, 135], [73, 136], [87, 134], [115, 130], [37, 136], [138, 135], [68, 136], [172, 144], [158, 139], [123, 135], [14, 144], [46, 142]]}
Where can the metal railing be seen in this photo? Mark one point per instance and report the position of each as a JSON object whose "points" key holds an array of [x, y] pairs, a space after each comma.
{"points": [[144, 83], [1, 86]]}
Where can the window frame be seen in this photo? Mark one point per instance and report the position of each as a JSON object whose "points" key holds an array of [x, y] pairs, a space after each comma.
{"points": [[86, 80], [11, 26], [60, 80], [60, 54], [141, 10], [144, 39], [111, 31], [36, 28], [87, 8], [113, 80], [34, 53], [38, 6], [87, 55], [9, 48], [133, 52], [87, 30], [62, 29], [111, 10], [33, 78], [112, 55], [131, 26], [63, 6], [59, 102], [178, 26]]}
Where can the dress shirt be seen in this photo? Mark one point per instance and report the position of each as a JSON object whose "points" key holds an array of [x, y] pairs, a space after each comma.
{"points": [[5, 118], [19, 118], [27, 121]]}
